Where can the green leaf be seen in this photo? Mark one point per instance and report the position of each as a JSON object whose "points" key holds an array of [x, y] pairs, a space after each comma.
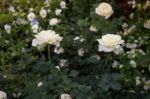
{"points": [[73, 73]]}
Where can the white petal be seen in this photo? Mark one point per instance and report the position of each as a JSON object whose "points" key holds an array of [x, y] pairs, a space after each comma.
{"points": [[105, 49], [34, 42]]}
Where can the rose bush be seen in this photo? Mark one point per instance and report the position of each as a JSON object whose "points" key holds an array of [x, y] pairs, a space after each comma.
{"points": [[74, 49]]}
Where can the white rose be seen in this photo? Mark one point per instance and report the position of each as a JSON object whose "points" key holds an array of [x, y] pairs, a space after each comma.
{"points": [[46, 37], [58, 12], [7, 28], [43, 13], [3, 95], [54, 21], [109, 42], [35, 28], [63, 4], [31, 16], [65, 96], [104, 9]]}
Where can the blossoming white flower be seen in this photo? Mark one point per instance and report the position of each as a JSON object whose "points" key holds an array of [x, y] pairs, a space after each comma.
{"points": [[76, 38], [17, 95], [147, 24], [3, 95], [31, 16], [65, 96], [59, 50], [81, 52], [93, 28], [104, 9], [129, 30], [82, 39], [57, 67], [137, 81], [109, 42], [131, 16], [147, 85], [47, 3], [7, 28], [63, 4], [58, 12], [35, 28], [133, 3], [12, 9], [43, 13], [115, 64], [54, 21], [131, 54], [40, 84], [133, 63], [63, 62], [131, 46], [125, 26], [46, 37]]}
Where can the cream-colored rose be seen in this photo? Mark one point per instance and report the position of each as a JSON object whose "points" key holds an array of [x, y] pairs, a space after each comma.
{"points": [[104, 9], [110, 42], [65, 96], [3, 95], [47, 37]]}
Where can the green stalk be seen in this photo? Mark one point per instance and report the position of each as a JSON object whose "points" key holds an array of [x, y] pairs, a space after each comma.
{"points": [[49, 54]]}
